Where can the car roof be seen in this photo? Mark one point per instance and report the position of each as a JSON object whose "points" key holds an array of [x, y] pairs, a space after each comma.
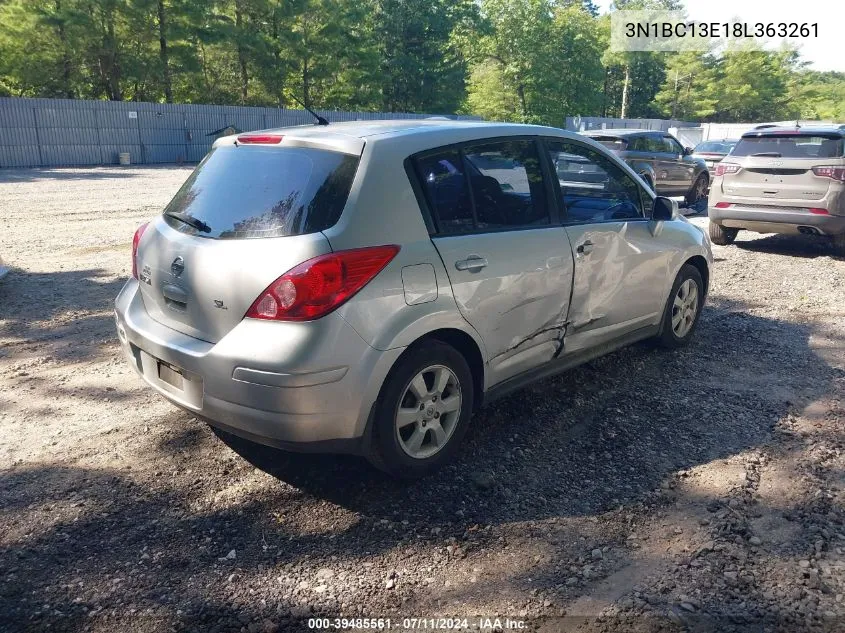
{"points": [[367, 129], [809, 130], [350, 137]]}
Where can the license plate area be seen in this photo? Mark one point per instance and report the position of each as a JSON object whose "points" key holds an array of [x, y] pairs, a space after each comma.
{"points": [[172, 375], [178, 384]]}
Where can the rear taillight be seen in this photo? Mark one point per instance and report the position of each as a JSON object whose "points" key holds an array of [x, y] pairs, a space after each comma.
{"points": [[260, 139], [316, 287], [726, 168], [818, 211], [135, 240], [722, 205], [830, 171]]}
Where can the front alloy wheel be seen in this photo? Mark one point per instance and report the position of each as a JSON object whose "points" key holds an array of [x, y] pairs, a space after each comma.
{"points": [[683, 308]]}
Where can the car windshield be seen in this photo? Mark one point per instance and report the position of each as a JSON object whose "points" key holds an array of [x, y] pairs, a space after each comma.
{"points": [[240, 192], [790, 146], [714, 147]]}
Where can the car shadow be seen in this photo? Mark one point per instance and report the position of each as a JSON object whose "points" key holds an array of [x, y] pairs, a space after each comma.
{"points": [[806, 246], [74, 311], [594, 437]]}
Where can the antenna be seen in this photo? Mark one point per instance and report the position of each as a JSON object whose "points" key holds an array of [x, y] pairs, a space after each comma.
{"points": [[320, 120]]}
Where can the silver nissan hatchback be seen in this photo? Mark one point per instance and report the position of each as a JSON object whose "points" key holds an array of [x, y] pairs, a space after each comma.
{"points": [[365, 287]]}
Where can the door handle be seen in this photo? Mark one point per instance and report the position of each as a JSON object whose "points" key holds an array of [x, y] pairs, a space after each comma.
{"points": [[585, 248], [471, 263]]}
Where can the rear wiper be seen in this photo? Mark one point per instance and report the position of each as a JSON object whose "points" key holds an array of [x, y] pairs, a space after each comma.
{"points": [[199, 225], [773, 154]]}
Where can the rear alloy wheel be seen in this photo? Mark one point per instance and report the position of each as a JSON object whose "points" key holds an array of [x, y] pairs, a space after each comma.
{"points": [[721, 235], [683, 308], [698, 193], [423, 410]]}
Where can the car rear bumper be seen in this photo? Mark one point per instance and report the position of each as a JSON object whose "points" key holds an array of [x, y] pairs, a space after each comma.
{"points": [[792, 220], [302, 386]]}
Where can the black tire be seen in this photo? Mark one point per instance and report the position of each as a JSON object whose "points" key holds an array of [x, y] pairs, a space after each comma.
{"points": [[387, 453], [698, 191], [721, 235], [667, 337]]}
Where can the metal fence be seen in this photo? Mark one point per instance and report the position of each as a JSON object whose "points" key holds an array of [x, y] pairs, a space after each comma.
{"points": [[583, 124], [66, 132]]}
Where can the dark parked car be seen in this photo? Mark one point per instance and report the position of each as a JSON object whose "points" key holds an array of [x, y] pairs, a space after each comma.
{"points": [[667, 167], [711, 152]]}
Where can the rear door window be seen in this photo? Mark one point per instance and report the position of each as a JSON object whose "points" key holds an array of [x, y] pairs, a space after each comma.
{"points": [[655, 144], [484, 186], [593, 188], [638, 144], [442, 176], [507, 184], [790, 146], [241, 192]]}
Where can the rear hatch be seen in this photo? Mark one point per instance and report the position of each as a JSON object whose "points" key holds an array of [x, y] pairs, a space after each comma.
{"points": [[779, 166], [249, 213]]}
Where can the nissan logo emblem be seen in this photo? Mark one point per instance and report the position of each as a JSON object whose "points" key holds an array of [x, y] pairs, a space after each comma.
{"points": [[177, 267]]}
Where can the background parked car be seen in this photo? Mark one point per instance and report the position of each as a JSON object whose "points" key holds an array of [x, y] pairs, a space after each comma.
{"points": [[668, 167], [364, 287], [711, 152], [782, 180]]}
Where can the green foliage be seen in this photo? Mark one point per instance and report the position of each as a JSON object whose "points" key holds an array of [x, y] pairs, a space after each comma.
{"points": [[535, 61]]}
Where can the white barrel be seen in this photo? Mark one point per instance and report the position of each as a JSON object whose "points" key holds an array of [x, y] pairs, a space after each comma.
{"points": [[123, 158]]}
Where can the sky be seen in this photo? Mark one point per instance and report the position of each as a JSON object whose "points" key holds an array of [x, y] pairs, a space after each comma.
{"points": [[824, 52]]}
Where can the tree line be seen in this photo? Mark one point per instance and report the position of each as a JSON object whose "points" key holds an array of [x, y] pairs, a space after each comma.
{"points": [[516, 60]]}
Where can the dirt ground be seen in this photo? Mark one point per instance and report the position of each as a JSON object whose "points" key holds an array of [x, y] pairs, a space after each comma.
{"points": [[647, 491]]}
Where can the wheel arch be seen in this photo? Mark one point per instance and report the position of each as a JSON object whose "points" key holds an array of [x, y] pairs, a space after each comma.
{"points": [[468, 348], [700, 263]]}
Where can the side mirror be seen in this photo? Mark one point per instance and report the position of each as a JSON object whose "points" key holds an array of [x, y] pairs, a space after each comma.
{"points": [[663, 209], [688, 151]]}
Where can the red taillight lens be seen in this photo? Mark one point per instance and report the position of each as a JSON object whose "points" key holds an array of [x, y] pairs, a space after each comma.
{"points": [[314, 288], [726, 168], [722, 205], [830, 171], [817, 211], [135, 241], [260, 139]]}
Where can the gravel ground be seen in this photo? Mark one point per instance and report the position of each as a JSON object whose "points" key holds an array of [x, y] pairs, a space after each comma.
{"points": [[647, 491]]}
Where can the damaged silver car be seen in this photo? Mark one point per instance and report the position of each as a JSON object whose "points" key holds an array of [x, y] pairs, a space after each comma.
{"points": [[365, 287]]}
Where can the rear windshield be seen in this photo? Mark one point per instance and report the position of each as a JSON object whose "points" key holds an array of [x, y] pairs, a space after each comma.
{"points": [[714, 147], [240, 192], [611, 142], [790, 146]]}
